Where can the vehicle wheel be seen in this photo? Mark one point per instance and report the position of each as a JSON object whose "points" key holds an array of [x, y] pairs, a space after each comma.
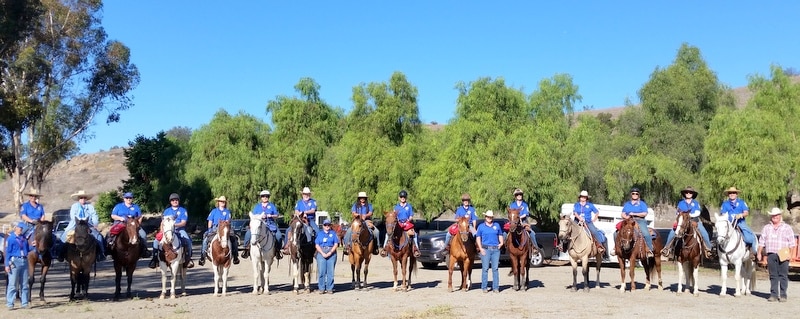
{"points": [[538, 259], [430, 265]]}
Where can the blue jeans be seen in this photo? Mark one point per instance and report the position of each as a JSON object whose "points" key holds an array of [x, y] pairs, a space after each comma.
{"points": [[185, 241], [703, 233], [348, 236], [492, 256], [599, 237], [747, 235], [278, 235], [326, 268], [645, 233], [206, 235], [19, 275], [448, 236]]}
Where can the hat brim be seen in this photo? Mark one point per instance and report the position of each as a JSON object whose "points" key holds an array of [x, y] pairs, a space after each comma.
{"points": [[694, 193], [76, 196], [33, 194]]}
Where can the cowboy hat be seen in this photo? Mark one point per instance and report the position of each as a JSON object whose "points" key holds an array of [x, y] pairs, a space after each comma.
{"points": [[79, 194], [517, 192], [362, 195], [306, 190], [264, 193], [775, 211], [689, 189], [732, 189], [34, 193], [222, 199], [584, 194], [466, 196], [489, 213]]}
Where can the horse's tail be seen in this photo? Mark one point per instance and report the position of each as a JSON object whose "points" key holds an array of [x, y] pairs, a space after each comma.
{"points": [[413, 261]]}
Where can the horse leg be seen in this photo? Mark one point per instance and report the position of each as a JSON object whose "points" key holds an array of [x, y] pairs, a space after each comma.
{"points": [[694, 280], [621, 274], [394, 272], [42, 281], [738, 276], [129, 272], [681, 278], [256, 273], [118, 281], [366, 269], [574, 264], [450, 266], [31, 275], [225, 280], [585, 265], [182, 271], [723, 271], [632, 272]]}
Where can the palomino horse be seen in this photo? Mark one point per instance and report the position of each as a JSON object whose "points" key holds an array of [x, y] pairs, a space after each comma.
{"points": [[81, 254], [126, 254], [631, 247], [518, 243], [262, 253], [170, 258], [400, 249], [361, 252], [43, 238], [732, 250], [301, 255], [579, 247], [462, 254], [688, 256], [220, 252]]}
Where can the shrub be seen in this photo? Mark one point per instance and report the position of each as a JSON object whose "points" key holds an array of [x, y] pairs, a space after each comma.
{"points": [[105, 204]]}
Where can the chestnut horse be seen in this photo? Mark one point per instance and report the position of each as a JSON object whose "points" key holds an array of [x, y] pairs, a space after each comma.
{"points": [[301, 255], [463, 250], [400, 249], [42, 254], [126, 254], [361, 251], [81, 254], [171, 258], [579, 247], [688, 256], [518, 243], [631, 247], [220, 252]]}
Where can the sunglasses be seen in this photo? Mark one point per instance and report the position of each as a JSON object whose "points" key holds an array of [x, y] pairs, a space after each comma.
{"points": [[263, 196], [174, 200], [329, 225], [634, 193]]}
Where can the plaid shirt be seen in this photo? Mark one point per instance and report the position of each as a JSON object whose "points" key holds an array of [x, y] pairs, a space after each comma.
{"points": [[773, 239]]}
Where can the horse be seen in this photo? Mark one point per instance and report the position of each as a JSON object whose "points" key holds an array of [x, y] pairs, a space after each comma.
{"points": [[732, 250], [580, 247], [629, 248], [81, 254], [42, 254], [690, 250], [463, 250], [126, 255], [519, 244], [362, 245], [170, 258], [220, 252], [301, 255], [400, 249], [262, 253]]}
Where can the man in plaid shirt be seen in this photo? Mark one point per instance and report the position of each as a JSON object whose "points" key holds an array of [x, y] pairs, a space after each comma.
{"points": [[774, 236]]}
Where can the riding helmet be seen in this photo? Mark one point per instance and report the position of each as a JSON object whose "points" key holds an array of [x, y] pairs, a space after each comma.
{"points": [[403, 193]]}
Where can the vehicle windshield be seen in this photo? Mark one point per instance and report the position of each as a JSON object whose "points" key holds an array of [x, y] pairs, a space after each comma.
{"points": [[62, 225], [238, 223]]}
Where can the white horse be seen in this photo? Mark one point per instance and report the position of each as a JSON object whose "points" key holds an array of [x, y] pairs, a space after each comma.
{"points": [[220, 251], [732, 250], [262, 253], [171, 263]]}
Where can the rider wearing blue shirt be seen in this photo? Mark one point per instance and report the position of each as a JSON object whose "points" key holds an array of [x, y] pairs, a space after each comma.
{"points": [[325, 245], [16, 266], [584, 211], [121, 213], [524, 212], [737, 210], [306, 208], [362, 207], [82, 209], [466, 209], [638, 210], [31, 213], [218, 214], [268, 212], [181, 216], [405, 214], [489, 239], [691, 205]]}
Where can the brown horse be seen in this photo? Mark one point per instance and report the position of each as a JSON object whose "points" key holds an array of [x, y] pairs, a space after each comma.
{"points": [[221, 256], [400, 249], [81, 254], [631, 247], [579, 247], [360, 253], [43, 242], [688, 256], [518, 243], [126, 254], [462, 254], [301, 255]]}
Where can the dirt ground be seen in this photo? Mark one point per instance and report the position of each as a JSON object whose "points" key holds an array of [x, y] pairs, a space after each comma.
{"points": [[429, 298]]}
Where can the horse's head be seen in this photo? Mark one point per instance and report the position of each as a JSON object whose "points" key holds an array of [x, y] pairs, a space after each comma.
{"points": [[683, 222], [82, 231], [43, 235], [564, 228], [391, 222], [627, 233], [223, 231], [723, 227], [257, 225], [513, 219], [463, 228], [132, 230], [356, 224], [167, 229], [296, 228]]}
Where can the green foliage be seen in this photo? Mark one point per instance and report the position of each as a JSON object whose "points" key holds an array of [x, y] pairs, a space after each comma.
{"points": [[155, 166], [105, 204]]}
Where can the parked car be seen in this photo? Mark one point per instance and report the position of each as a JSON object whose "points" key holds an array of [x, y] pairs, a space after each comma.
{"points": [[59, 228], [60, 215]]}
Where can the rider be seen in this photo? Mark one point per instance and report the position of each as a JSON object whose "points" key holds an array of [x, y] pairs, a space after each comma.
{"points": [[524, 211], [306, 209], [181, 216], [466, 209], [405, 213], [688, 204], [364, 208], [585, 212], [82, 209], [268, 213], [637, 209], [737, 210], [120, 214], [220, 213], [31, 213]]}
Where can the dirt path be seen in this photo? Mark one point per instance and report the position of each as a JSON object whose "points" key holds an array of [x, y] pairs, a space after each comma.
{"points": [[548, 297]]}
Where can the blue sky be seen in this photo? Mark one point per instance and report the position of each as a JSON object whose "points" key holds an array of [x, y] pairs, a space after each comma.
{"points": [[197, 58]]}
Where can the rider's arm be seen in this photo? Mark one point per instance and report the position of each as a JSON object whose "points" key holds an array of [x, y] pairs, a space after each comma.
{"points": [[93, 218]]}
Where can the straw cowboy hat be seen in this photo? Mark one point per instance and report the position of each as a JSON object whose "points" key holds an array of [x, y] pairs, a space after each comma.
{"points": [[34, 193], [689, 189], [362, 195], [466, 196], [775, 211], [584, 194], [517, 192], [732, 189], [222, 199], [306, 190], [489, 213], [79, 194]]}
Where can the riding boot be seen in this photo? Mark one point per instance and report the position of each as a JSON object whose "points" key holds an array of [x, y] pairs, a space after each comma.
{"points": [[385, 250], [346, 250], [143, 251], [99, 256], [374, 249], [667, 251], [202, 260], [62, 252], [154, 262], [236, 258], [188, 263], [245, 252]]}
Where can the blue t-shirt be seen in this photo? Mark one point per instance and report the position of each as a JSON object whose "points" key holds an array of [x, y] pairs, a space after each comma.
{"points": [[585, 210], [469, 211], [524, 210], [734, 207], [304, 206], [404, 213], [630, 207], [489, 234], [34, 213], [693, 208], [124, 211], [217, 215], [362, 210], [267, 210], [326, 238], [179, 214], [16, 246]]}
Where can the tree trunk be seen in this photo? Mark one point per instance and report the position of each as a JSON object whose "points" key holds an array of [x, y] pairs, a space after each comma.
{"points": [[18, 180]]}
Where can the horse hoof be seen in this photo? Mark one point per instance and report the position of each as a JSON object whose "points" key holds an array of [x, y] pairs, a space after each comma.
{"points": [[255, 292], [296, 292], [161, 297], [183, 294], [173, 297], [574, 289], [696, 294]]}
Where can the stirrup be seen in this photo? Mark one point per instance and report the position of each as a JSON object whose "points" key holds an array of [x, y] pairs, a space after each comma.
{"points": [[708, 254], [650, 254], [384, 252], [416, 252], [188, 264], [666, 252]]}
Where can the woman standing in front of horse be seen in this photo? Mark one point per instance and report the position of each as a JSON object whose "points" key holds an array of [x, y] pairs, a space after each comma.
{"points": [[31, 213], [466, 209], [737, 211], [16, 264], [489, 239], [362, 207], [636, 208], [268, 212], [219, 213], [82, 209], [181, 216], [688, 204], [326, 244], [524, 212], [775, 236], [405, 214], [585, 211]]}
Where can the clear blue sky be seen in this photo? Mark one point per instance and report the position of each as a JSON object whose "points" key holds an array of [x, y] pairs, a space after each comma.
{"points": [[197, 58]]}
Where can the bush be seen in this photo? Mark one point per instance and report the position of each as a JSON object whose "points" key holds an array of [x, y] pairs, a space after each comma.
{"points": [[105, 204]]}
